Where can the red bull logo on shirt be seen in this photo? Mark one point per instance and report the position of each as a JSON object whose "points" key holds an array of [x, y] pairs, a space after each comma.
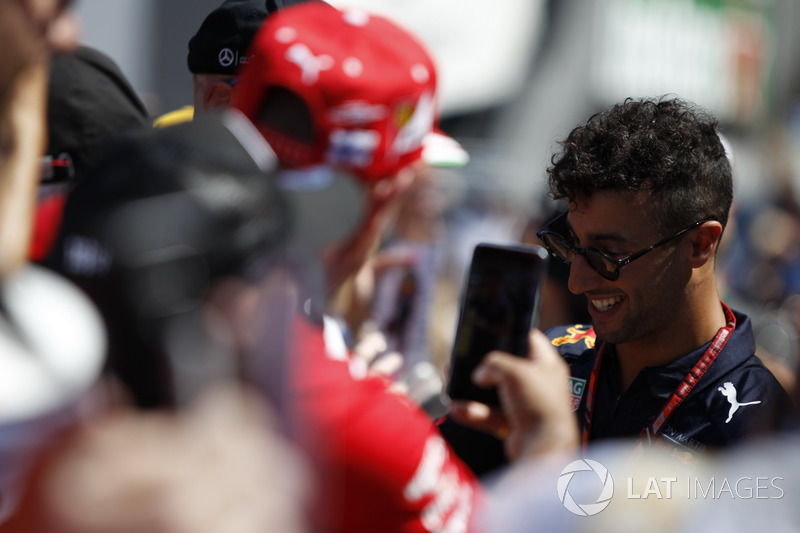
{"points": [[576, 334]]}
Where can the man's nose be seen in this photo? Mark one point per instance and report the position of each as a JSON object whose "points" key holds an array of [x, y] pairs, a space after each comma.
{"points": [[582, 277]]}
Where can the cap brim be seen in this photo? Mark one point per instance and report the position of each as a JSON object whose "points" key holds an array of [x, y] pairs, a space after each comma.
{"points": [[441, 150]]}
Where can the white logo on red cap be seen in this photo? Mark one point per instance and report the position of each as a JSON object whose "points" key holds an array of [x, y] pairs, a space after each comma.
{"points": [[352, 148], [357, 113], [309, 64], [285, 34], [356, 17], [352, 67], [420, 73], [411, 134]]}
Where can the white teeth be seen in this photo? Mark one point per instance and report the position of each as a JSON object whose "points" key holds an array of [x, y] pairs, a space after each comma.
{"points": [[606, 303]]}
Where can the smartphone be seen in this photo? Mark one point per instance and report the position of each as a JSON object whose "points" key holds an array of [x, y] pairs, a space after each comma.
{"points": [[499, 305]]}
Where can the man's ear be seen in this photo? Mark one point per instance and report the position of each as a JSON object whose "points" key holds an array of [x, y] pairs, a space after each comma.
{"points": [[217, 96], [705, 241]]}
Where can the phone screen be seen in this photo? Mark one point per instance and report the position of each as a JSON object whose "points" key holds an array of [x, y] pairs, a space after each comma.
{"points": [[499, 305]]}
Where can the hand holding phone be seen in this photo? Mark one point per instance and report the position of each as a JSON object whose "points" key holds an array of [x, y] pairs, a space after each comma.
{"points": [[499, 306], [537, 417]]}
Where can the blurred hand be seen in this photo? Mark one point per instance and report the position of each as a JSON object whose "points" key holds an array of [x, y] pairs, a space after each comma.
{"points": [[29, 32], [371, 351], [536, 417], [354, 299]]}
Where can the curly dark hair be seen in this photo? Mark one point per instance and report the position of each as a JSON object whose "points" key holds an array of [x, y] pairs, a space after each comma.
{"points": [[666, 147]]}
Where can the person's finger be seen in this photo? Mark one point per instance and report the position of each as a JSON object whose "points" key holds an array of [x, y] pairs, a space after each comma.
{"points": [[541, 350], [479, 416], [393, 257], [497, 366], [399, 388], [370, 346], [387, 365], [494, 368]]}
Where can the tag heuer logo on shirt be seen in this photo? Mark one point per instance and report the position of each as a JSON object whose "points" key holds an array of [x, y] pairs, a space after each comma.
{"points": [[576, 387]]}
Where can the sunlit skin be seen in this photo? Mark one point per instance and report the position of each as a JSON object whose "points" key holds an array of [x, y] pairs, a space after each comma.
{"points": [[344, 259], [30, 30], [664, 304], [212, 92]]}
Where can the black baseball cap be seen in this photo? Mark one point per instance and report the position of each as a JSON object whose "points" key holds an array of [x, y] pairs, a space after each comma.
{"points": [[222, 41]]}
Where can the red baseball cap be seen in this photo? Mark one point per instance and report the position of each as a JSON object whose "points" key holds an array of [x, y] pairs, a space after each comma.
{"points": [[345, 88]]}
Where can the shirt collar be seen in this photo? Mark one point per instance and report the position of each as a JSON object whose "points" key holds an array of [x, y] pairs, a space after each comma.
{"points": [[662, 380]]}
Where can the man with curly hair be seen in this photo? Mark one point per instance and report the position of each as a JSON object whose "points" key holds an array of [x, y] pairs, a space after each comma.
{"points": [[648, 187]]}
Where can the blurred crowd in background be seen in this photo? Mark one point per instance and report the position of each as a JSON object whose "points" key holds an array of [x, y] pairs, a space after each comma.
{"points": [[522, 76]]}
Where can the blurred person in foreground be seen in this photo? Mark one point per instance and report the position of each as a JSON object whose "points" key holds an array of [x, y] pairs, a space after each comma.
{"points": [[156, 222], [649, 188], [348, 102], [51, 345], [31, 31], [173, 235], [216, 52]]}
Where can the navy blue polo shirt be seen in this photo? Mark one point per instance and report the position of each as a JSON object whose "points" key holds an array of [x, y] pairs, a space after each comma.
{"points": [[737, 396], [713, 415]]}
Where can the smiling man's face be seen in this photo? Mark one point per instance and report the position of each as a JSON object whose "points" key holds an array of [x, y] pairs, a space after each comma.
{"points": [[649, 289]]}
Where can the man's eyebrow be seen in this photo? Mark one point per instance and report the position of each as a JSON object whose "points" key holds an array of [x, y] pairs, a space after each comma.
{"points": [[599, 236], [611, 237]]}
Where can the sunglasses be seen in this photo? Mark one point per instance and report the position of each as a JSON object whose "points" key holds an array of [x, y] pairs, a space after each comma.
{"points": [[562, 249]]}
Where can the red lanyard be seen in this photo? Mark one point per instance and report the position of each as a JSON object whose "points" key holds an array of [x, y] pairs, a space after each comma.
{"points": [[678, 395]]}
